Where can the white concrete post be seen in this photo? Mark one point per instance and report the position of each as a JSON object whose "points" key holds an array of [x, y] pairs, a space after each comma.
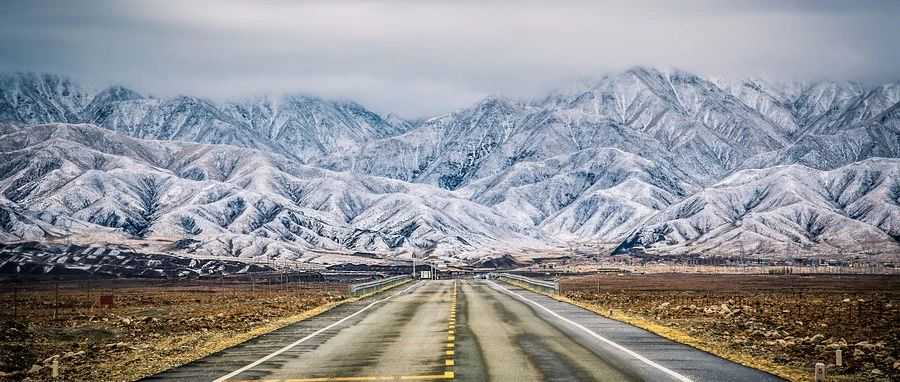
{"points": [[54, 368], [820, 372], [839, 357]]}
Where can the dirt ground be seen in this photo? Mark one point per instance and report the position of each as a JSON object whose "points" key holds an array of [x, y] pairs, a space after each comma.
{"points": [[781, 323], [148, 329]]}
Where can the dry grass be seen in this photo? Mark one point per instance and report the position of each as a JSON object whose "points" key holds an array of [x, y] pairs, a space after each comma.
{"points": [[781, 324], [149, 329]]}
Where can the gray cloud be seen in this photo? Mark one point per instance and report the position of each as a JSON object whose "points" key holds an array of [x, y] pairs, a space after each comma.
{"points": [[419, 58]]}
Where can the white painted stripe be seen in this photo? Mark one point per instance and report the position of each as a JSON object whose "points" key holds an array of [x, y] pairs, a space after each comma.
{"points": [[621, 348], [317, 332]]}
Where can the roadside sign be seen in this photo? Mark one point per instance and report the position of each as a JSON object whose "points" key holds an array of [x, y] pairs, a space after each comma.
{"points": [[106, 301]]}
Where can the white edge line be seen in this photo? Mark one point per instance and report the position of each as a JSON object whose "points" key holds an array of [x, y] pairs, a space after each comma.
{"points": [[304, 339], [662, 368]]}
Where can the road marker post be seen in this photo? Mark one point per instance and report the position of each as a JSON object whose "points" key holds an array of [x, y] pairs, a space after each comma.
{"points": [[838, 358], [54, 368], [820, 372]]}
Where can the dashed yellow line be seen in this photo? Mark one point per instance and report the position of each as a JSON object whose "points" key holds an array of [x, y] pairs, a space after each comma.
{"points": [[449, 362]]}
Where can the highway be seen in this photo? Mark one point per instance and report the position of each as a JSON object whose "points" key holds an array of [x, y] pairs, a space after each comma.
{"points": [[461, 330]]}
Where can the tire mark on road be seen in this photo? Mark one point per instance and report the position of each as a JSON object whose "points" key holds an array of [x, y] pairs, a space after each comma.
{"points": [[470, 353], [314, 334], [553, 365], [671, 373]]}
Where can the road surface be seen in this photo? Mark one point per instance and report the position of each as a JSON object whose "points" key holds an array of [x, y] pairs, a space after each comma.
{"points": [[463, 330]]}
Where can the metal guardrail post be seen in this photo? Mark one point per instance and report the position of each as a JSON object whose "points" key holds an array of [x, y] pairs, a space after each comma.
{"points": [[551, 287], [361, 289]]}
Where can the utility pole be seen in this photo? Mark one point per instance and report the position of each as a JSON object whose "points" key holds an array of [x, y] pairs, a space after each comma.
{"points": [[56, 301]]}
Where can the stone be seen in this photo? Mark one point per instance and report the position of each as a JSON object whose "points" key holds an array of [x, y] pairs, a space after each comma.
{"points": [[73, 354], [784, 343], [867, 345]]}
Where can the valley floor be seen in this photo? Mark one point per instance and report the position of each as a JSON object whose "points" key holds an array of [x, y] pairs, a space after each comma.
{"points": [[784, 324], [151, 326]]}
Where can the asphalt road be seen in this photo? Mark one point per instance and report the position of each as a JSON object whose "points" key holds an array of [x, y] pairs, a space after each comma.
{"points": [[465, 331]]}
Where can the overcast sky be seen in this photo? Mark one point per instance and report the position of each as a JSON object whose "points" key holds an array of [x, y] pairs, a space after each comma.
{"points": [[419, 57]]}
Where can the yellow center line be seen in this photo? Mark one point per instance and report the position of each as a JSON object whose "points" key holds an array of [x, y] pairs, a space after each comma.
{"points": [[449, 362], [446, 375]]}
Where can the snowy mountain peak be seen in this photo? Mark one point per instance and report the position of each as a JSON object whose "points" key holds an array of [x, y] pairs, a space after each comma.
{"points": [[663, 161]]}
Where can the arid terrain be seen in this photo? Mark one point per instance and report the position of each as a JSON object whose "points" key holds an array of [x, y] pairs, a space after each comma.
{"points": [[780, 323], [151, 325]]}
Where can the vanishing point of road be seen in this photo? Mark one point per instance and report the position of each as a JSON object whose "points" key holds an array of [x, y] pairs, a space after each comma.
{"points": [[460, 330]]}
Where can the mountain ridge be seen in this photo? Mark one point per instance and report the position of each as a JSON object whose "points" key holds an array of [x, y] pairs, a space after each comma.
{"points": [[616, 161]]}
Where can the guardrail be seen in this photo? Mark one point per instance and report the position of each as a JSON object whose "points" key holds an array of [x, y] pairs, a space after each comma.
{"points": [[551, 287], [365, 288]]}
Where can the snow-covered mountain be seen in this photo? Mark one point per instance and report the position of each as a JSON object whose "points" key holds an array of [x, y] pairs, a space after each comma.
{"points": [[64, 179], [790, 209], [299, 126], [668, 161]]}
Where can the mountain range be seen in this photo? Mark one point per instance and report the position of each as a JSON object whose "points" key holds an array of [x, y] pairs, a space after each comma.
{"points": [[665, 162]]}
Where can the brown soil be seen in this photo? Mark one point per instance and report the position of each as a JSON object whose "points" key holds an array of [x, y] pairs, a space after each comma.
{"points": [[150, 328], [783, 324]]}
